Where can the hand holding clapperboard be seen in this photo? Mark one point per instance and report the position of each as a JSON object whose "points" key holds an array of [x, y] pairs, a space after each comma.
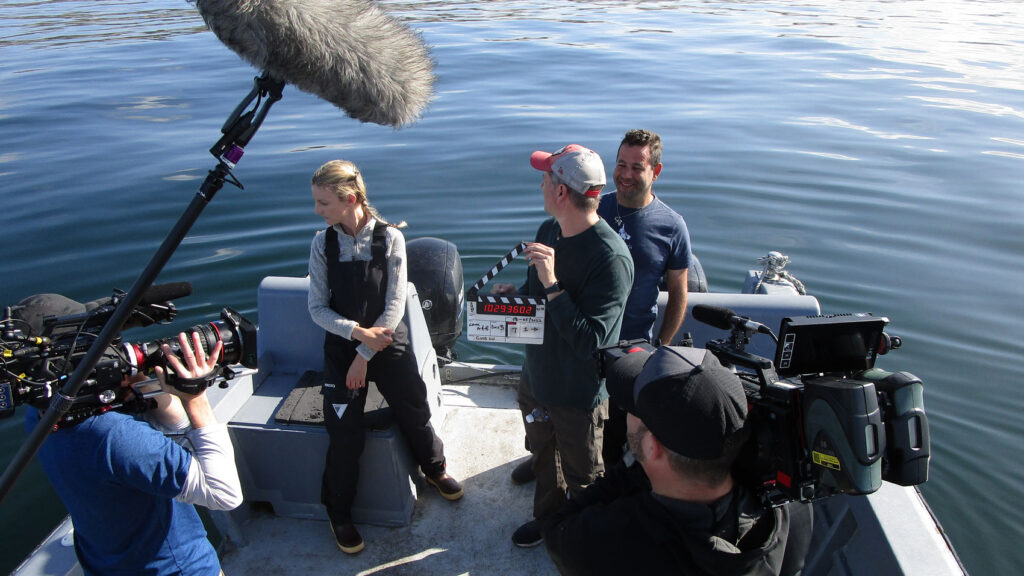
{"points": [[501, 318]]}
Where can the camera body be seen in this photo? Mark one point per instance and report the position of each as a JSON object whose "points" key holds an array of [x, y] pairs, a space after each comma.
{"points": [[39, 352], [822, 419]]}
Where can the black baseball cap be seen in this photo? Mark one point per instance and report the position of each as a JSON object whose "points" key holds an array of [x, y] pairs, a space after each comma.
{"points": [[684, 396]]}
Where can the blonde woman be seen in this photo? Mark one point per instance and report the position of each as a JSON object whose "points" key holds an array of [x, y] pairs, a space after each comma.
{"points": [[357, 292]]}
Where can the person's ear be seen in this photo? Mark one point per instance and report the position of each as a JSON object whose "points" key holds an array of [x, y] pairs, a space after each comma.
{"points": [[653, 448]]}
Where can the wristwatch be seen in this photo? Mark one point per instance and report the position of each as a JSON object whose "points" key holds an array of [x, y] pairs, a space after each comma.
{"points": [[556, 287]]}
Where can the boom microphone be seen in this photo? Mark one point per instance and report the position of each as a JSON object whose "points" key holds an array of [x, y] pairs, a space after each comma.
{"points": [[348, 52], [726, 319]]}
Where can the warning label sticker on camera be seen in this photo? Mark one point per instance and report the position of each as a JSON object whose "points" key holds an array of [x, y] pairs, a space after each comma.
{"points": [[499, 318]]}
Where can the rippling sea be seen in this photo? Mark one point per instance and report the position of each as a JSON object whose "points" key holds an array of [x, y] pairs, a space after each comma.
{"points": [[879, 144]]}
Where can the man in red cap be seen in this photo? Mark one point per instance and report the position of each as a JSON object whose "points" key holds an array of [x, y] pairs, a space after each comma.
{"points": [[678, 509], [585, 271]]}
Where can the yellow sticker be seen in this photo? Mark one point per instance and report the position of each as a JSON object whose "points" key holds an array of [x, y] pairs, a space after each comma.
{"points": [[826, 460]]}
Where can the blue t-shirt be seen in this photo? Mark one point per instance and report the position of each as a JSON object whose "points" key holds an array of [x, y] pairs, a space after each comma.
{"points": [[658, 241], [118, 478]]}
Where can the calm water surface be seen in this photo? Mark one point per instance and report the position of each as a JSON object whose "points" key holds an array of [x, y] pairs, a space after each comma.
{"points": [[879, 144]]}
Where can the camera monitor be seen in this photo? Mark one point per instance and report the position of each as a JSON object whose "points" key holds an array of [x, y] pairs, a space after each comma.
{"points": [[833, 343]]}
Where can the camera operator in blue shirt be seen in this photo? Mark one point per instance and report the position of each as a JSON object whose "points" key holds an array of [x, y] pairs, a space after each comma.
{"points": [[130, 489]]}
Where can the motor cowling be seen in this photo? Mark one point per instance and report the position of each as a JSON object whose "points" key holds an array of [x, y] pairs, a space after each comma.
{"points": [[435, 268], [696, 279]]}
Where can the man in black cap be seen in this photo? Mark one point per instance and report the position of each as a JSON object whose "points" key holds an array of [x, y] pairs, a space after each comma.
{"points": [[680, 511]]}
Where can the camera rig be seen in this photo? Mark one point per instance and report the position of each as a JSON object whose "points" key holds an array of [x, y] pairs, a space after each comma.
{"points": [[237, 131], [823, 419], [45, 336]]}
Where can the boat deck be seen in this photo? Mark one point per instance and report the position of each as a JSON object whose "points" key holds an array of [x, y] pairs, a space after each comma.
{"points": [[889, 532], [483, 435]]}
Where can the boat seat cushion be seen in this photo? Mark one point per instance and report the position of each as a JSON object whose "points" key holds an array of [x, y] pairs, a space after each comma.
{"points": [[305, 405]]}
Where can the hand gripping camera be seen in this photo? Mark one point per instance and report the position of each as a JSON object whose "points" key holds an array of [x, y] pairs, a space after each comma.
{"points": [[823, 419], [45, 335]]}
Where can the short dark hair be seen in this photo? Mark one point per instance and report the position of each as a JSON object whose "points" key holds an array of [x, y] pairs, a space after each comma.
{"points": [[711, 472], [579, 199], [644, 138]]}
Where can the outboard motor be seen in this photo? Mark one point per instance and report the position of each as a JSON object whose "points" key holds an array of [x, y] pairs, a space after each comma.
{"points": [[436, 269], [696, 280]]}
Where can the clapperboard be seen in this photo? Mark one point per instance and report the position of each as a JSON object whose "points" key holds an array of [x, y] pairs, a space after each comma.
{"points": [[499, 318]]}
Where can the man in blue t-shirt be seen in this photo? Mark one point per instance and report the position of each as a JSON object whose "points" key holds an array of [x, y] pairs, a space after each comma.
{"points": [[660, 245], [130, 489], [655, 234]]}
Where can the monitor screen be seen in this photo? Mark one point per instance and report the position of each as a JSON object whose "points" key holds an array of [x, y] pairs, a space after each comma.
{"points": [[834, 343]]}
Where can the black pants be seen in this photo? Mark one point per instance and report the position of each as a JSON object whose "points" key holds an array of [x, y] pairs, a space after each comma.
{"points": [[396, 374]]}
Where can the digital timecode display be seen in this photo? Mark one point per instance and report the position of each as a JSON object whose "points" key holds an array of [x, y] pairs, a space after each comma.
{"points": [[506, 309]]}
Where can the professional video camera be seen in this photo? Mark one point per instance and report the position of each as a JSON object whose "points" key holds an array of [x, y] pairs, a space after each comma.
{"points": [[44, 336], [823, 419]]}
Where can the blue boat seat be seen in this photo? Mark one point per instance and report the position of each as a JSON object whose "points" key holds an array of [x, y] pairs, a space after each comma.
{"points": [[281, 462]]}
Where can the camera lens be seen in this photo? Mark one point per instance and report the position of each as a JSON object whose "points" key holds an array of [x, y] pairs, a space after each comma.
{"points": [[237, 334]]}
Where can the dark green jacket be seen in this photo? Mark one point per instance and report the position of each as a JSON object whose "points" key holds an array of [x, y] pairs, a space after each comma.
{"points": [[596, 272]]}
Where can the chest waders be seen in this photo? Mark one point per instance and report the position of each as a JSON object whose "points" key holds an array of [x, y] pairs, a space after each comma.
{"points": [[358, 290]]}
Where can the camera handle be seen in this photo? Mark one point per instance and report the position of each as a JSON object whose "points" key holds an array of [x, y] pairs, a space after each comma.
{"points": [[730, 356], [237, 132]]}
